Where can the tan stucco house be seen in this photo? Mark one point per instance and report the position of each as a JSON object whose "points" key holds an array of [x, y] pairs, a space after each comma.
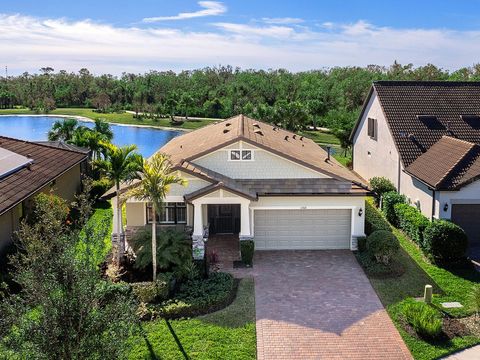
{"points": [[425, 138], [260, 182], [28, 168]]}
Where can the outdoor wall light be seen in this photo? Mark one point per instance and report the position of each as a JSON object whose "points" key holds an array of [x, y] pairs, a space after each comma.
{"points": [[445, 207], [360, 212]]}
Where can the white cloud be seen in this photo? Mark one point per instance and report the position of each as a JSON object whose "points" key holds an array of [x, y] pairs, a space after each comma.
{"points": [[28, 43], [210, 8], [283, 20]]}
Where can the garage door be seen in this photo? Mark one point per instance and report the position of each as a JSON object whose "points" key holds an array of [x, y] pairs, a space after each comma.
{"points": [[467, 217], [302, 229]]}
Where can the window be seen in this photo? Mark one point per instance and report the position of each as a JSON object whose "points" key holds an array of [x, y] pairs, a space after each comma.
{"points": [[372, 128], [171, 213], [241, 155]]}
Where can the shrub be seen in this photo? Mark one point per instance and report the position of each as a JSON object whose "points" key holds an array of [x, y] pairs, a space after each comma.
{"points": [[425, 320], [100, 187], [412, 222], [382, 245], [200, 296], [247, 248], [174, 250], [149, 292], [389, 200], [381, 185], [374, 220], [362, 243], [445, 242]]}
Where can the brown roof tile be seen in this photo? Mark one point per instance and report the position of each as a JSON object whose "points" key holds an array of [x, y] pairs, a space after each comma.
{"points": [[48, 163], [282, 142]]}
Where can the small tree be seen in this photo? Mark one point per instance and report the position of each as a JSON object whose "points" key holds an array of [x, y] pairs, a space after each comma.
{"points": [[102, 102], [63, 130], [64, 309]]}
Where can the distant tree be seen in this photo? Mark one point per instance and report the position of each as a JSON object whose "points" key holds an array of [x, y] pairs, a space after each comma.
{"points": [[187, 104], [102, 102], [171, 105], [103, 128]]}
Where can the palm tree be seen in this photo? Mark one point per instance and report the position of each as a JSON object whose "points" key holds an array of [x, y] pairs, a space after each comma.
{"points": [[157, 177], [120, 164], [90, 139], [62, 130], [103, 127]]}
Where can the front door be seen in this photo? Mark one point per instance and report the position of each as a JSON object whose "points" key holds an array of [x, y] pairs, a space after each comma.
{"points": [[466, 216], [224, 219]]}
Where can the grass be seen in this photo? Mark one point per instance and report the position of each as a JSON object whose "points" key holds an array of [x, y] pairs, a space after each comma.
{"points": [[118, 118], [447, 286], [225, 334], [322, 138]]}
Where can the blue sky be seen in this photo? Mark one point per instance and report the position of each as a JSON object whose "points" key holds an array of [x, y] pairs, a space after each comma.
{"points": [[115, 36]]}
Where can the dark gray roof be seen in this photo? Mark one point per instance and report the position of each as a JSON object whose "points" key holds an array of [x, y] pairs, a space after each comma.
{"points": [[65, 146]]}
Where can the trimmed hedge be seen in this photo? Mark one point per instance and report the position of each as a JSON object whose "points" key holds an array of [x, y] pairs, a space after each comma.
{"points": [[374, 220], [247, 248], [412, 222], [198, 297], [389, 200], [445, 242], [362, 243], [382, 245]]}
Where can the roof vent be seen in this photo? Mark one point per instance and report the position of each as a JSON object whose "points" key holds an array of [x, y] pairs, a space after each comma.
{"points": [[258, 131], [256, 125], [226, 131], [228, 124], [294, 136], [274, 128], [286, 138], [301, 138]]}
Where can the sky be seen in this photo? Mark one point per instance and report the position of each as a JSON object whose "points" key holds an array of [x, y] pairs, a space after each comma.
{"points": [[108, 36]]}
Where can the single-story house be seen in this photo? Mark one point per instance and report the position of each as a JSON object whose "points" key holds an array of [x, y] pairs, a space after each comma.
{"points": [[260, 182], [425, 137], [28, 168]]}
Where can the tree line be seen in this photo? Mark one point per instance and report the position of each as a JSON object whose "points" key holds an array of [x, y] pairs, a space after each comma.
{"points": [[328, 97]]}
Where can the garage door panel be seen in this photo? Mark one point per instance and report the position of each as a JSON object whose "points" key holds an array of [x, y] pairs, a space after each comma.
{"points": [[302, 229]]}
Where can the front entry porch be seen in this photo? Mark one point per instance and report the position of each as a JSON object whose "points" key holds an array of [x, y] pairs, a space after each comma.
{"points": [[225, 248]]}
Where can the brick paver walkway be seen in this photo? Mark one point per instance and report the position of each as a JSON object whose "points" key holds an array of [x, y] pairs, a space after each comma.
{"points": [[320, 305]]}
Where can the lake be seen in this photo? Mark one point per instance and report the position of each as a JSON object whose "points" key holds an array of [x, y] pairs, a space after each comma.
{"points": [[35, 128]]}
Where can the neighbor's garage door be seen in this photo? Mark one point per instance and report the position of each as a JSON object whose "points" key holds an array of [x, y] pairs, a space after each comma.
{"points": [[302, 229], [467, 216]]}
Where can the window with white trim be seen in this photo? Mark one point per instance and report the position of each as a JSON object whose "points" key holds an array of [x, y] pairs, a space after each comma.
{"points": [[171, 213], [241, 155]]}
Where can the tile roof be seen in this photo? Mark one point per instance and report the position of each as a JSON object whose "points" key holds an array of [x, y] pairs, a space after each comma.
{"points": [[403, 101], [448, 164], [272, 138], [48, 163]]}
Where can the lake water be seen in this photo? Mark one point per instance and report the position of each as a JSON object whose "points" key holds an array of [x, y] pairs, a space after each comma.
{"points": [[35, 128]]}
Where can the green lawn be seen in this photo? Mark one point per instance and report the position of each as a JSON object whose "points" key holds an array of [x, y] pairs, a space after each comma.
{"points": [[448, 286], [225, 334], [321, 137], [120, 118]]}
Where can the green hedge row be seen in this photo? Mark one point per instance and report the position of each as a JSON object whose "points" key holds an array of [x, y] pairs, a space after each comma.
{"points": [[389, 200], [411, 221], [374, 220]]}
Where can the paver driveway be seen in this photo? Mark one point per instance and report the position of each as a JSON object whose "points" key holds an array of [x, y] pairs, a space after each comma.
{"points": [[320, 305]]}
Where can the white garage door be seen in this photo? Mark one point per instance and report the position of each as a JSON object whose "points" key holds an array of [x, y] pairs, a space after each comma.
{"points": [[302, 229]]}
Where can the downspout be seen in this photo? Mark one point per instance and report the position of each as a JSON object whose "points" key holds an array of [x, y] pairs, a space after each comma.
{"points": [[399, 174], [433, 204]]}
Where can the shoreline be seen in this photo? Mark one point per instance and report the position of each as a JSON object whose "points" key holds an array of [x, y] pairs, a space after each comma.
{"points": [[86, 119]]}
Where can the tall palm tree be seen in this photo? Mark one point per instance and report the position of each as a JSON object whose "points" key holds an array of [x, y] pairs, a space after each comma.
{"points": [[62, 130], [156, 179], [120, 164], [91, 139]]}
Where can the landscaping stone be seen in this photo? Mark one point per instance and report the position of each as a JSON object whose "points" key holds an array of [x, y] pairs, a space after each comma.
{"points": [[452, 305]]}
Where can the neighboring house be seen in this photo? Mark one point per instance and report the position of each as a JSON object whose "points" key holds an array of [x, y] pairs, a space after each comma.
{"points": [[256, 180], [28, 168], [424, 137]]}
